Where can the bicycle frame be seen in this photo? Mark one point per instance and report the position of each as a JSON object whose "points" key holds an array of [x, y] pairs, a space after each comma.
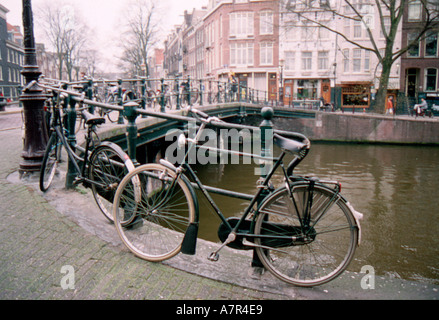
{"points": [[264, 185], [57, 128]]}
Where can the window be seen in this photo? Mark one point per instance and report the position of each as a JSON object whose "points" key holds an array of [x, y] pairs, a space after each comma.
{"points": [[291, 4], [346, 60], [356, 60], [414, 49], [241, 54], [306, 60], [366, 60], [241, 24], [290, 60], [324, 4], [414, 10], [308, 32], [266, 53], [323, 32], [386, 21], [347, 27], [323, 60], [431, 44], [358, 28], [266, 22], [430, 79]]}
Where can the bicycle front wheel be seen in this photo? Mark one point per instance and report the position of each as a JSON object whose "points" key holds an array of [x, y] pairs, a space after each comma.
{"points": [[310, 234], [50, 162], [152, 211], [107, 167]]}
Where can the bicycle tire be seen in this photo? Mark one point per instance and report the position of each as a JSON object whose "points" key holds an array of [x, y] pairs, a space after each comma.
{"points": [[332, 235], [159, 211], [112, 115], [107, 166], [50, 162]]}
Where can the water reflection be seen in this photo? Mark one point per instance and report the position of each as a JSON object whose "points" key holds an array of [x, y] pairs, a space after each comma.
{"points": [[395, 187]]}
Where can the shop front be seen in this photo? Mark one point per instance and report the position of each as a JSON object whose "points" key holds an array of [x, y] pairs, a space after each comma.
{"points": [[355, 95]]}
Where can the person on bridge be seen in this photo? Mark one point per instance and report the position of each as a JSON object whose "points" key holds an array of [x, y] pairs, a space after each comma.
{"points": [[233, 84]]}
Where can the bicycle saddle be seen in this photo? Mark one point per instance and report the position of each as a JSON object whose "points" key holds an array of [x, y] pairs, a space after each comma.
{"points": [[289, 144], [91, 119]]}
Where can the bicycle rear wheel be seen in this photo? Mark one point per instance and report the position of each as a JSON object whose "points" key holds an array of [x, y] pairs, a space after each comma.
{"points": [[112, 115], [313, 252], [107, 167], [158, 209], [50, 162]]}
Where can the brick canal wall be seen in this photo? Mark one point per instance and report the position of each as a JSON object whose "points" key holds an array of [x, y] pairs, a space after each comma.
{"points": [[364, 128]]}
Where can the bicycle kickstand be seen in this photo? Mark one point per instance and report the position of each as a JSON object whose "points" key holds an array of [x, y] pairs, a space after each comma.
{"points": [[214, 256]]}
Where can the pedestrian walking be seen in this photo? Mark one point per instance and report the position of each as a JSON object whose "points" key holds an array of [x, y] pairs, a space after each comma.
{"points": [[390, 105]]}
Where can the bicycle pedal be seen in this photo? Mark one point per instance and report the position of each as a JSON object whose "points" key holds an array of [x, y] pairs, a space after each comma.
{"points": [[214, 256]]}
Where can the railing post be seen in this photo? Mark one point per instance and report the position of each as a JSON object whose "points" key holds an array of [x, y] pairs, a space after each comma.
{"points": [[120, 100], [130, 112], [218, 92], [266, 127], [177, 87], [91, 108], [143, 100], [71, 139], [189, 101], [162, 99], [201, 92], [266, 137]]}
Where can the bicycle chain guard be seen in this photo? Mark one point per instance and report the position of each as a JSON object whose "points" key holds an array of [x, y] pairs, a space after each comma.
{"points": [[293, 234]]}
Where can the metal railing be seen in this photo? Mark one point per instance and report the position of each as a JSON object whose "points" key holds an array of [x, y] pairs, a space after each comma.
{"points": [[132, 109]]}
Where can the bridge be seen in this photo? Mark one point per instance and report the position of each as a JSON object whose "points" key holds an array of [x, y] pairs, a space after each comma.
{"points": [[142, 121]]}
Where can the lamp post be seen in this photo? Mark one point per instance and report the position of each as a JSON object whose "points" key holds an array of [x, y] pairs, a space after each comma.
{"points": [[32, 98]]}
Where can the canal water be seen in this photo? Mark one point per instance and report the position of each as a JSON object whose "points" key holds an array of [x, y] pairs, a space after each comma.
{"points": [[395, 187]]}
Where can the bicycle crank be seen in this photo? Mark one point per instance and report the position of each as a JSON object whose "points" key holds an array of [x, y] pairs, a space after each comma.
{"points": [[214, 256]]}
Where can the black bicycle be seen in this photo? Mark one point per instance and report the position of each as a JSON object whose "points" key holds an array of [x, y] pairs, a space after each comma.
{"points": [[304, 232], [100, 165]]}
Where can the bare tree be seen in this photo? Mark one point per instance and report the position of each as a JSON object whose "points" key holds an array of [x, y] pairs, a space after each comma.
{"points": [[140, 36], [390, 14], [89, 60], [66, 32]]}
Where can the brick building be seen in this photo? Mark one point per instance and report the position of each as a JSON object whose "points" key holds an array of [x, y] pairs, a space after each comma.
{"points": [[419, 65], [243, 36]]}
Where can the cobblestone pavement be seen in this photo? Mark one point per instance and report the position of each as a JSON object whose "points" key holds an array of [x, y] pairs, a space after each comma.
{"points": [[36, 242]]}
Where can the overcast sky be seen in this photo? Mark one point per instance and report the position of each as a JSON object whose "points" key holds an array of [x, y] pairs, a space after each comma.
{"points": [[105, 17]]}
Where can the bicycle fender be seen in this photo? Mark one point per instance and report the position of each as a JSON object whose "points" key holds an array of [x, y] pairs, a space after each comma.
{"points": [[358, 216], [127, 162], [189, 243]]}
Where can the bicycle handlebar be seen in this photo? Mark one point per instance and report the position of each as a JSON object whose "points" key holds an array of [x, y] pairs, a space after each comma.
{"points": [[204, 117]]}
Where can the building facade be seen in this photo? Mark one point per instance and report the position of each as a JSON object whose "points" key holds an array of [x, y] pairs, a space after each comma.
{"points": [[420, 64], [321, 64], [11, 57], [309, 51], [242, 36]]}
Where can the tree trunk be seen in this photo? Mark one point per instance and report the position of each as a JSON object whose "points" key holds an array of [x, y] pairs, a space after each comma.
{"points": [[380, 99]]}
